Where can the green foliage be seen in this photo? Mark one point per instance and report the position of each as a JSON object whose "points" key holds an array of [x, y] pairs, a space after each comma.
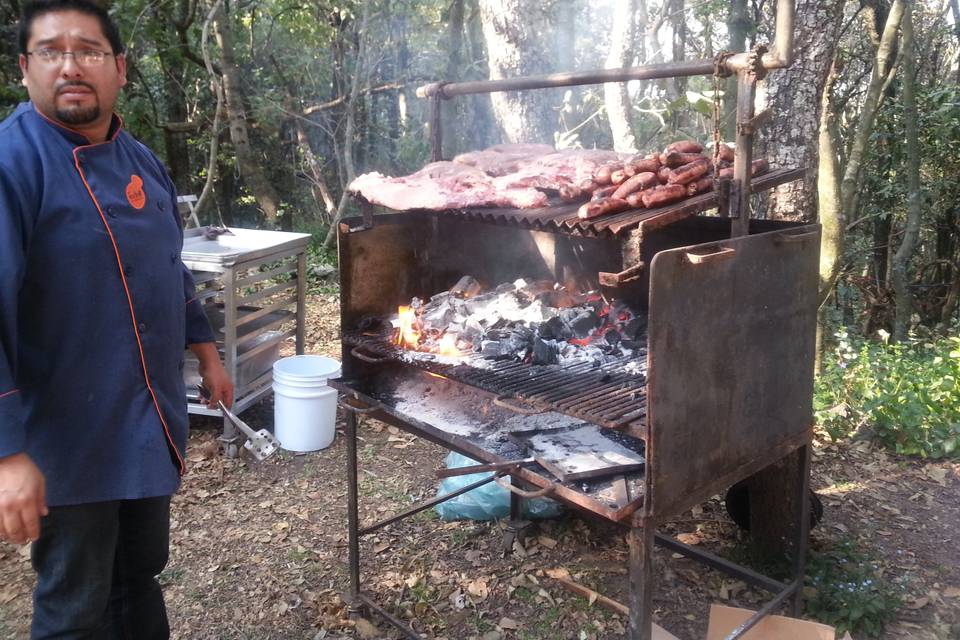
{"points": [[907, 393], [845, 589]]}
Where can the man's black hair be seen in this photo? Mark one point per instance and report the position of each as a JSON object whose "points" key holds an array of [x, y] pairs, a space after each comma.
{"points": [[37, 8]]}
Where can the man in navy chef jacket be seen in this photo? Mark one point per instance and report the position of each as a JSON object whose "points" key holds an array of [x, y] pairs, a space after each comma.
{"points": [[96, 309]]}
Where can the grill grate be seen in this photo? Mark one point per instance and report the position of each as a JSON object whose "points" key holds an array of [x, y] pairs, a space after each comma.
{"points": [[612, 395]]}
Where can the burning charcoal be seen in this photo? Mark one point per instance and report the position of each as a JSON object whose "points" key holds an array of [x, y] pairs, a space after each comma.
{"points": [[635, 328], [471, 334], [438, 315], [612, 337], [490, 349], [555, 329], [545, 352], [532, 290], [580, 321], [505, 288], [466, 287]]}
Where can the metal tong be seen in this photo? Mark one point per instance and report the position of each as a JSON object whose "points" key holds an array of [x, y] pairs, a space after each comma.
{"points": [[261, 444]]}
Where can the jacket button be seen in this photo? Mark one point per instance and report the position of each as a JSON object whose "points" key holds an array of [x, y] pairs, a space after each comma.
{"points": [[142, 327]]}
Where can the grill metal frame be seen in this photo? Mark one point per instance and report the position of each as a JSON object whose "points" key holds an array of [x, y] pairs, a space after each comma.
{"points": [[703, 368]]}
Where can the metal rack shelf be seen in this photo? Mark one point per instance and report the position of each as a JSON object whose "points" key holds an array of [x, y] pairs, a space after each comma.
{"points": [[253, 286]]}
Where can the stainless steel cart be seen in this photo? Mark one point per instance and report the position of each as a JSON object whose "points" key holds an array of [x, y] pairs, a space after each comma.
{"points": [[253, 287]]}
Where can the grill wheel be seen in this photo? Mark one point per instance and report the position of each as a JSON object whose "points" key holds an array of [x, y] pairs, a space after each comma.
{"points": [[737, 502]]}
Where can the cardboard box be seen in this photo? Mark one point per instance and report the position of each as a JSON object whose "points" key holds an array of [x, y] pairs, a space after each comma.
{"points": [[723, 620]]}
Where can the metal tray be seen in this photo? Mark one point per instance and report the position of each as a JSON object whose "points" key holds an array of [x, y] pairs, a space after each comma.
{"points": [[244, 245]]}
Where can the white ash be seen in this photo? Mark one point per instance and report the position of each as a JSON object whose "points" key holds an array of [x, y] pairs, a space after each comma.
{"points": [[581, 449]]}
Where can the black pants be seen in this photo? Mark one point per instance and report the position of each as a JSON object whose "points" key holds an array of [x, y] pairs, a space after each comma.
{"points": [[96, 570]]}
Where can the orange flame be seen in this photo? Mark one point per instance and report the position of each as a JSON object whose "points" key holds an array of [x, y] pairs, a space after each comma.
{"points": [[448, 345], [407, 336]]}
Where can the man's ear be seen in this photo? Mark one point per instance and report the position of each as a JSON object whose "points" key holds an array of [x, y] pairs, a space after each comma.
{"points": [[122, 68], [23, 69]]}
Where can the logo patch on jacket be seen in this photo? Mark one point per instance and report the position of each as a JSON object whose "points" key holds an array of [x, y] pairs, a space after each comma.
{"points": [[135, 194]]}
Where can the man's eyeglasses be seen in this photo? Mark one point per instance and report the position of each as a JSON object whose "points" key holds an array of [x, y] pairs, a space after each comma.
{"points": [[85, 58]]}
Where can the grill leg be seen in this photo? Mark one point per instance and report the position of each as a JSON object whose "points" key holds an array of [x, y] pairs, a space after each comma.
{"points": [[517, 528], [353, 518], [803, 530], [641, 579]]}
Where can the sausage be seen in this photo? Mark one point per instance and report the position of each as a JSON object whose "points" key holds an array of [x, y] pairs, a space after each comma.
{"points": [[602, 175], [700, 185], [602, 207], [689, 172], [664, 194], [640, 181], [588, 185], [676, 159], [618, 176], [756, 168], [725, 153], [684, 146], [650, 162], [664, 174], [604, 192], [635, 199]]}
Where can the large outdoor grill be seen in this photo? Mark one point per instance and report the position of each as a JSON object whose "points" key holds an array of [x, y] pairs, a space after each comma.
{"points": [[719, 388]]}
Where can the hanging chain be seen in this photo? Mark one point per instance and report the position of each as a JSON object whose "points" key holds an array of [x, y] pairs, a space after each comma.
{"points": [[720, 72]]}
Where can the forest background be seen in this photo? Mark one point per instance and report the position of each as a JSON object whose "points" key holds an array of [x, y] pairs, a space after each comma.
{"points": [[267, 109]]}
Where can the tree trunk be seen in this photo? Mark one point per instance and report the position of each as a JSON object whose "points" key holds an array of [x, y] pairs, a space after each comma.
{"points": [[517, 34], [794, 94], [908, 246], [359, 72], [850, 185], [615, 95], [483, 127], [678, 86], [832, 216], [250, 166], [852, 174], [832, 219], [738, 26], [453, 110], [175, 99]]}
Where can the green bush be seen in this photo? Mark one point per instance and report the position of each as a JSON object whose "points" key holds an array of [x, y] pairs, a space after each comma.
{"points": [[844, 588], [907, 393]]}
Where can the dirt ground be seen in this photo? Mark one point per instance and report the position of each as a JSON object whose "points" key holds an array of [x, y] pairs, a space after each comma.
{"points": [[258, 550]]}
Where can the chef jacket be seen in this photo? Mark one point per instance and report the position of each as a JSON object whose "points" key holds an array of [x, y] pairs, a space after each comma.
{"points": [[96, 309]]}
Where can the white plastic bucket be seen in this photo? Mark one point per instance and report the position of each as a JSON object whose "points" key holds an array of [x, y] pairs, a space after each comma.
{"points": [[305, 408]]}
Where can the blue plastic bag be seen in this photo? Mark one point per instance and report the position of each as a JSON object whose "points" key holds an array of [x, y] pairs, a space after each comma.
{"points": [[489, 502]]}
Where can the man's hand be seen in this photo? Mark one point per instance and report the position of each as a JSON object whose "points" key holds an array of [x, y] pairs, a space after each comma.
{"points": [[22, 499], [215, 378]]}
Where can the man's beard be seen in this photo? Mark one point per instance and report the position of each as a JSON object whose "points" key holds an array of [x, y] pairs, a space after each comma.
{"points": [[78, 115]]}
